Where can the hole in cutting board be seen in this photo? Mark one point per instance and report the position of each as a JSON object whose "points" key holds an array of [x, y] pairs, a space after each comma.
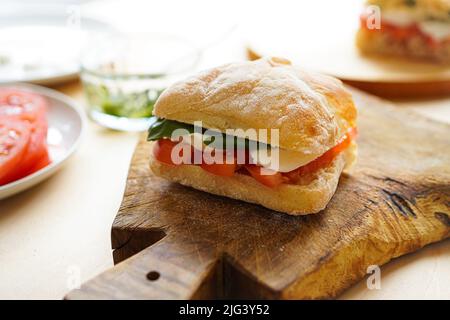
{"points": [[153, 275]]}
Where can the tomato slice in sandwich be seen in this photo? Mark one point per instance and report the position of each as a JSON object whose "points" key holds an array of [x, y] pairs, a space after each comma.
{"points": [[267, 177], [14, 142], [162, 151], [325, 159], [225, 168], [220, 169]]}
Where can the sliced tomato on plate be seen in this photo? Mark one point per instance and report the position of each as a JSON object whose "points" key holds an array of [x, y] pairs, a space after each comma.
{"points": [[30, 109], [14, 141], [37, 149], [22, 105], [39, 164]]}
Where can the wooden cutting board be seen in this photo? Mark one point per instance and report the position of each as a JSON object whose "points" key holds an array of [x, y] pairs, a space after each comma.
{"points": [[189, 244]]}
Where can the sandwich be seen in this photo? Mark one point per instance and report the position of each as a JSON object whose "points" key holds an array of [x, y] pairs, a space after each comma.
{"points": [[263, 131], [408, 28]]}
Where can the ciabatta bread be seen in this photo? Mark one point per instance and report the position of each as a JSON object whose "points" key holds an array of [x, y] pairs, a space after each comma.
{"points": [[310, 195], [312, 111]]}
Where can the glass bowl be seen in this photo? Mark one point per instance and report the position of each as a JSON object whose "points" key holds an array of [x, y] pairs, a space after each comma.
{"points": [[124, 74]]}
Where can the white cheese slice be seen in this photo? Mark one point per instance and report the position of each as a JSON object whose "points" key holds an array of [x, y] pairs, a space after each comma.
{"points": [[438, 30], [285, 161], [398, 18], [276, 159]]}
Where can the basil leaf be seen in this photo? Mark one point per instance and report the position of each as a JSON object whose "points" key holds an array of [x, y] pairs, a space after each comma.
{"points": [[163, 128]]}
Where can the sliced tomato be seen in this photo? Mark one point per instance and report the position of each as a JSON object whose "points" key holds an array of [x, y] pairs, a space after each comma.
{"points": [[22, 105], [41, 163], [345, 141], [28, 108], [324, 160], [363, 21], [36, 151], [226, 168], [220, 169], [14, 142], [270, 180], [162, 151], [401, 33], [37, 148]]}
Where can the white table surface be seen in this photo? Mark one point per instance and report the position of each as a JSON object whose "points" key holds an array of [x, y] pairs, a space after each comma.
{"points": [[58, 234]]}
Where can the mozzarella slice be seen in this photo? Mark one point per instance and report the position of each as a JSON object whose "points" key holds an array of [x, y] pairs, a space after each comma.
{"points": [[276, 159], [398, 18], [285, 161], [436, 29]]}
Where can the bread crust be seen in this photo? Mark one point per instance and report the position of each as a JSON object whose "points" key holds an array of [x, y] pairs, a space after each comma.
{"points": [[311, 111], [311, 195]]}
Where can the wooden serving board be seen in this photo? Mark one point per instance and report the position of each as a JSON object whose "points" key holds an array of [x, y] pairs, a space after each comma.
{"points": [[176, 242]]}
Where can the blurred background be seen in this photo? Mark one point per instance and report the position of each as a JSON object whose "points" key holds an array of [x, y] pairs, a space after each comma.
{"points": [[127, 51]]}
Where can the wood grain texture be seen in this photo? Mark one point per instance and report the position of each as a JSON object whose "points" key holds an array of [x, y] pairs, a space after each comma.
{"points": [[395, 201]]}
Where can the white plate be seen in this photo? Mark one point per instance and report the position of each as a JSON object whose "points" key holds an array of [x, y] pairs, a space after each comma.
{"points": [[43, 45], [65, 127]]}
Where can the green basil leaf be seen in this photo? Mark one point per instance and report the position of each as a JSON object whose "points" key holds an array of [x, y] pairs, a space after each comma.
{"points": [[163, 128]]}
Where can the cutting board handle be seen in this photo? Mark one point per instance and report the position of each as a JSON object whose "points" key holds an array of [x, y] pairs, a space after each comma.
{"points": [[157, 272]]}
